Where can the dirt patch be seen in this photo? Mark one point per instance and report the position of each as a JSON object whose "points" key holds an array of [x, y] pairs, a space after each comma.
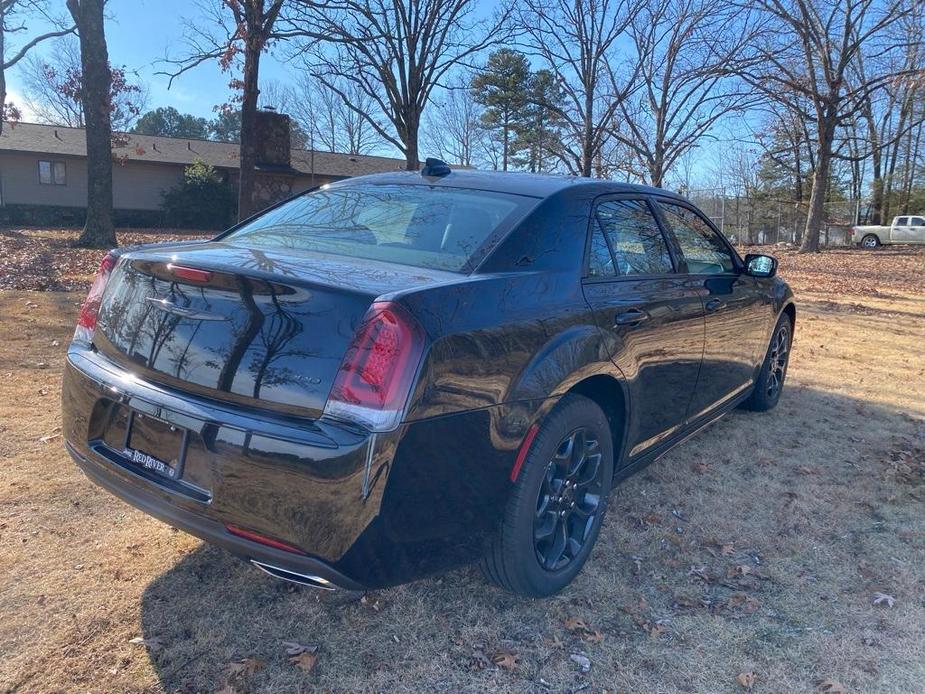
{"points": [[780, 550]]}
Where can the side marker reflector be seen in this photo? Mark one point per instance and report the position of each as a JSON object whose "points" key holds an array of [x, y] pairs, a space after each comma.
{"points": [[524, 449]]}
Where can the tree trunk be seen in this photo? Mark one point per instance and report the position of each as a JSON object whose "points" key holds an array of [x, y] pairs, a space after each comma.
{"points": [[587, 144], [820, 187], [248, 149], [98, 232], [411, 143], [2, 71]]}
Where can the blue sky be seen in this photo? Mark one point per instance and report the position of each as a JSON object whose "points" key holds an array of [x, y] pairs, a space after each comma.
{"points": [[141, 32]]}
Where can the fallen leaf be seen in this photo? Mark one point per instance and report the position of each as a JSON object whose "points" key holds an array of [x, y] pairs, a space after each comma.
{"points": [[505, 659], [305, 660], [747, 679], [244, 667], [575, 624], [653, 630], [593, 636], [884, 599], [830, 686]]}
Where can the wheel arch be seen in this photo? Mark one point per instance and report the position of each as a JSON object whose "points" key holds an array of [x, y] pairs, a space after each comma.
{"points": [[790, 310], [610, 395]]}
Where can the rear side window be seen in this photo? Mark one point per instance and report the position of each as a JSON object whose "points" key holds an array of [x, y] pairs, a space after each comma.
{"points": [[600, 262], [704, 251], [902, 221], [439, 228], [634, 236]]}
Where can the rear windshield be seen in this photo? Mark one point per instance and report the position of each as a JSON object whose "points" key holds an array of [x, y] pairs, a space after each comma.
{"points": [[439, 228]]}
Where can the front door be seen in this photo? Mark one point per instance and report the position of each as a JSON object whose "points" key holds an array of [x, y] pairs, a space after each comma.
{"points": [[913, 231], [737, 312], [651, 317]]}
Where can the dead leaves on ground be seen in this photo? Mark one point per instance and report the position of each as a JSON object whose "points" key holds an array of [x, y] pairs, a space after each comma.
{"points": [[43, 260], [747, 679], [580, 628], [830, 686]]}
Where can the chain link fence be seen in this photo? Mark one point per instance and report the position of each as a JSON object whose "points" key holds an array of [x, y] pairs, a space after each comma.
{"points": [[753, 221]]}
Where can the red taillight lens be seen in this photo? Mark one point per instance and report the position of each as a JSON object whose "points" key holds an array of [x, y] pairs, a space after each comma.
{"points": [[189, 273], [262, 539], [86, 322], [375, 377]]}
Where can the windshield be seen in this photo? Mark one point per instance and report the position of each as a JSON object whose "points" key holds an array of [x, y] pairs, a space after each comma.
{"points": [[438, 228]]}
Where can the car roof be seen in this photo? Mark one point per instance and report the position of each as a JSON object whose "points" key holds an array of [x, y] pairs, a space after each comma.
{"points": [[517, 183]]}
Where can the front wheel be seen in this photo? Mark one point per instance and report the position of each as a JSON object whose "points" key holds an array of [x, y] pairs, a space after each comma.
{"points": [[558, 503], [770, 381], [870, 241]]}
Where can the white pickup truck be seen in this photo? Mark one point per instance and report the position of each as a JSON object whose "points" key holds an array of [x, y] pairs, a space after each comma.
{"points": [[905, 229]]}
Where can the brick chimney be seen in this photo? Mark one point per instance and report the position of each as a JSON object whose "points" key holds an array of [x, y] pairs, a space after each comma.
{"points": [[273, 143]]}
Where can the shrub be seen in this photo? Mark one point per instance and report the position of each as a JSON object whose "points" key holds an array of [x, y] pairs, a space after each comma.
{"points": [[202, 200]]}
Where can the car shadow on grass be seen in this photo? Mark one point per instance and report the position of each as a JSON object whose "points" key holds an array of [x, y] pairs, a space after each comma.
{"points": [[800, 497]]}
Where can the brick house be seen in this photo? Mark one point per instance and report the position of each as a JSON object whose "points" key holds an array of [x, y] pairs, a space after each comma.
{"points": [[43, 170]]}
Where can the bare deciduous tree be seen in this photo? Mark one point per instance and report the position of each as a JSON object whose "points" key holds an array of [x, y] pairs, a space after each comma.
{"points": [[394, 51], [453, 131], [233, 28], [53, 83], [807, 49], [577, 41], [96, 88], [685, 49], [13, 17], [333, 122]]}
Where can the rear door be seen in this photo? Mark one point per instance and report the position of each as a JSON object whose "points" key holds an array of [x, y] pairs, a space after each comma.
{"points": [[737, 312], [651, 316]]}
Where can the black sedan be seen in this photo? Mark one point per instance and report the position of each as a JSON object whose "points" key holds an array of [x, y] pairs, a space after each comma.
{"points": [[396, 374]]}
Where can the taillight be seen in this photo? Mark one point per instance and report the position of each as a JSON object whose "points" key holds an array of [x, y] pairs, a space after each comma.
{"points": [[376, 375], [86, 322]]}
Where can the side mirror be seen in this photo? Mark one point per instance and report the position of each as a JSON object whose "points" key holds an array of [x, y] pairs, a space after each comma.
{"points": [[758, 265]]}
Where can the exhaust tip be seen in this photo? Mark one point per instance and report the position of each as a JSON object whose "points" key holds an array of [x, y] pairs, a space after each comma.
{"points": [[293, 577]]}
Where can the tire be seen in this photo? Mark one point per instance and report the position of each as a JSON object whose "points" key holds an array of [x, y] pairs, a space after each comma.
{"points": [[520, 556], [770, 381], [870, 241]]}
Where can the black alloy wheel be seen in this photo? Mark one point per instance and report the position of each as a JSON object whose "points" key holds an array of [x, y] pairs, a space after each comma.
{"points": [[568, 500], [558, 501], [779, 356]]}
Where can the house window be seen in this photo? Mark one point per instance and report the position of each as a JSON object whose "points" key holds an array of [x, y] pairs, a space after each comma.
{"points": [[52, 173]]}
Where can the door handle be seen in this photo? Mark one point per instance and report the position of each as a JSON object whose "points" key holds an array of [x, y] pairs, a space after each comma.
{"points": [[714, 305], [632, 316]]}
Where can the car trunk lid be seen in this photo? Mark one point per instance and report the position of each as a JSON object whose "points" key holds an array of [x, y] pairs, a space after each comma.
{"points": [[255, 327]]}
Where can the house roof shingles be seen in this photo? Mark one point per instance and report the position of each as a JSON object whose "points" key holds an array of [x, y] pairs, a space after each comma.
{"points": [[61, 141]]}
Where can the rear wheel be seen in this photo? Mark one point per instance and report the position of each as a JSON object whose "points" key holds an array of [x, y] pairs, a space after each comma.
{"points": [[870, 241], [770, 381], [558, 503]]}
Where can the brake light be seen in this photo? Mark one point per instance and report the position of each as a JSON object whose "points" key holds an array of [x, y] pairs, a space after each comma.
{"points": [[189, 273], [86, 321], [377, 372]]}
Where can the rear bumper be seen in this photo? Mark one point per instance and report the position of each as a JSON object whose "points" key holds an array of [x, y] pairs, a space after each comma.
{"points": [[209, 530], [368, 511]]}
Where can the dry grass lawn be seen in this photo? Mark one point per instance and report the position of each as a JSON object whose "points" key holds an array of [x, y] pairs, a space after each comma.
{"points": [[752, 556]]}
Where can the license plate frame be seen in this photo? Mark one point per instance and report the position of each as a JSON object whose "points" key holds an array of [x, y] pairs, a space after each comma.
{"points": [[140, 434]]}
